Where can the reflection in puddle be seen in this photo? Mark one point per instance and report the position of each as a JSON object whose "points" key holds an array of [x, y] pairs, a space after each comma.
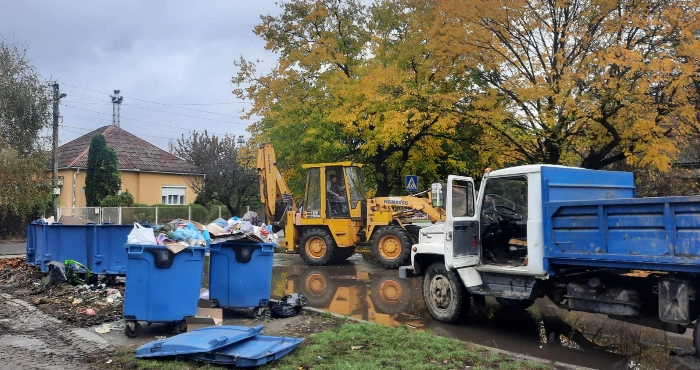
{"points": [[544, 331]]}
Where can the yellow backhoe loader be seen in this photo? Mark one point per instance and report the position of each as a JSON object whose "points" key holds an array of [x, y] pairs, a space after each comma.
{"points": [[334, 216]]}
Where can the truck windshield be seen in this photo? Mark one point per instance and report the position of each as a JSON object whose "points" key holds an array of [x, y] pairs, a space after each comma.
{"points": [[355, 188], [506, 195]]}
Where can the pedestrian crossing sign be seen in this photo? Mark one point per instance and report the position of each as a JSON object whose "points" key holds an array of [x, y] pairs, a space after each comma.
{"points": [[411, 183]]}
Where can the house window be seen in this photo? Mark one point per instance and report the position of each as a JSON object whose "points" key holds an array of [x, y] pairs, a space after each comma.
{"points": [[173, 195]]}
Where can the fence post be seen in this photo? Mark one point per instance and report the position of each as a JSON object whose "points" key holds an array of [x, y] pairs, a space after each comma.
{"points": [[189, 213], [102, 215], [219, 211], [119, 217], [156, 223]]}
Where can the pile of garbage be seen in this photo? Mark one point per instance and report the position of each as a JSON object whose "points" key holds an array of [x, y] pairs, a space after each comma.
{"points": [[192, 233], [246, 225]]}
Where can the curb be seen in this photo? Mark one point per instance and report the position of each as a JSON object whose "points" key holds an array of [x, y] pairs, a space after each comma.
{"points": [[520, 356]]}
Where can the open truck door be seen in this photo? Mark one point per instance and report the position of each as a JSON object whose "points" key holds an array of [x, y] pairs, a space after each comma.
{"points": [[461, 223]]}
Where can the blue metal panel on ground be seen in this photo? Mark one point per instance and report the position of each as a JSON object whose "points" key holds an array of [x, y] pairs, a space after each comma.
{"points": [[636, 233], [199, 340], [565, 183], [255, 351], [162, 286], [240, 273], [108, 254]]}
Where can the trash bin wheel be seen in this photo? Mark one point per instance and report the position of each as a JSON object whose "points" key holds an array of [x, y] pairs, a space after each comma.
{"points": [[132, 333], [181, 327]]}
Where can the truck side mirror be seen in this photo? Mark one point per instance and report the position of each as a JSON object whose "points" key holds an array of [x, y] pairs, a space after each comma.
{"points": [[436, 192]]}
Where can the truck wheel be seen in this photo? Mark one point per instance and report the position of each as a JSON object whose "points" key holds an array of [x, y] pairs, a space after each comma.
{"points": [[391, 295], [515, 305], [317, 247], [391, 245], [444, 295]]}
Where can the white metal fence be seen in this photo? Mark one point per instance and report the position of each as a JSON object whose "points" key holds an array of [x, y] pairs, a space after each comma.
{"points": [[152, 215]]}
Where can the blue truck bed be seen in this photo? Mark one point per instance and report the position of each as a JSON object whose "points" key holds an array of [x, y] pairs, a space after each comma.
{"points": [[591, 218]]}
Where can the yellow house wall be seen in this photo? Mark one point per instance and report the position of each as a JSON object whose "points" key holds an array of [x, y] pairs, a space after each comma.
{"points": [[146, 187]]}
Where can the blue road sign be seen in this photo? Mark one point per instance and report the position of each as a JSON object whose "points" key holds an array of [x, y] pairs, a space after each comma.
{"points": [[411, 183]]}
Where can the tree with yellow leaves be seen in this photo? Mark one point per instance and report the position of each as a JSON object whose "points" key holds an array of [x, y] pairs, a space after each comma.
{"points": [[578, 82], [357, 83]]}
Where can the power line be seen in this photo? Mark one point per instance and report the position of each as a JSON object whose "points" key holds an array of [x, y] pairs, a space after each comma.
{"points": [[171, 105], [92, 119], [184, 115]]}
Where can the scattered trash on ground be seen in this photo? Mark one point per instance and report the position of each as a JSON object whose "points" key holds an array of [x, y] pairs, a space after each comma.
{"points": [[81, 305]]}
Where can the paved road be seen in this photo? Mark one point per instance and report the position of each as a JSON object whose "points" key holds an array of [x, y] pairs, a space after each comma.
{"points": [[13, 248]]}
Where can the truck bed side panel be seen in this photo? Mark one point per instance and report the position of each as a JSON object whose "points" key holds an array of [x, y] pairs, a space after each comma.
{"points": [[635, 233]]}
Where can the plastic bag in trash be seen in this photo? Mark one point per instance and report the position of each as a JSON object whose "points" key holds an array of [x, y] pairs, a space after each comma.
{"points": [[187, 233], [252, 217], [220, 222], [204, 294], [289, 306]]}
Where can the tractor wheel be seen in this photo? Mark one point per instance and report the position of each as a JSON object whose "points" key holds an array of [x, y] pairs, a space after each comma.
{"points": [[443, 293], [515, 305], [414, 231], [317, 247], [391, 246]]}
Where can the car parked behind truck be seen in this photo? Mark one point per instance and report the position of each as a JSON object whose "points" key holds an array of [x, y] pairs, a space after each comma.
{"points": [[576, 236]]}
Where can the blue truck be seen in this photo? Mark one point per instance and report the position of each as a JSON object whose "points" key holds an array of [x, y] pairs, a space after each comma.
{"points": [[578, 237]]}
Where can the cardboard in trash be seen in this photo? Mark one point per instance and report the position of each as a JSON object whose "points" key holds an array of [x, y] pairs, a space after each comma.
{"points": [[176, 247], [214, 229], [206, 316]]}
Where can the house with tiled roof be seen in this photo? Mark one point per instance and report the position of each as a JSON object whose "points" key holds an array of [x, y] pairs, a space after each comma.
{"points": [[152, 175]]}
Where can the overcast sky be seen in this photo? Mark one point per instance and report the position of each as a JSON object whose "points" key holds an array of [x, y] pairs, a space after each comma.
{"points": [[175, 56]]}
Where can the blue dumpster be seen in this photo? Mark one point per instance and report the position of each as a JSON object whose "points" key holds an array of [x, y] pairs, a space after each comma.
{"points": [[56, 242], [161, 286], [98, 247], [240, 274], [108, 255]]}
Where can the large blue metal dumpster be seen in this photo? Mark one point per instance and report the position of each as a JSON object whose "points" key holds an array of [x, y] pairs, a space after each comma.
{"points": [[98, 247]]}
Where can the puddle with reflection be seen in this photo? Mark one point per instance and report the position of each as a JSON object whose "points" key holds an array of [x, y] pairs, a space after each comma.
{"points": [[370, 293]]}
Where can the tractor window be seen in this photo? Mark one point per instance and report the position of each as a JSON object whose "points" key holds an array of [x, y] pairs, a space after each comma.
{"points": [[313, 192], [462, 198], [356, 190]]}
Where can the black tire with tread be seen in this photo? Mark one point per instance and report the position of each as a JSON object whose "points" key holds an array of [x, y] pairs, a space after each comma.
{"points": [[331, 247], [515, 305], [457, 305], [133, 333], [403, 237]]}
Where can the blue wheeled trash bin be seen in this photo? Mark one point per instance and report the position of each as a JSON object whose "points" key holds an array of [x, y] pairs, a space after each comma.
{"points": [[240, 274], [161, 286]]}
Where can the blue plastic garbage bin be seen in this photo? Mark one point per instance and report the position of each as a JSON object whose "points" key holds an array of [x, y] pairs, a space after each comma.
{"points": [[161, 286], [240, 274]]}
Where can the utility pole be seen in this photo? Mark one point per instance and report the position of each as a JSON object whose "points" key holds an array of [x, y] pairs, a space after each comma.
{"points": [[116, 104], [54, 182]]}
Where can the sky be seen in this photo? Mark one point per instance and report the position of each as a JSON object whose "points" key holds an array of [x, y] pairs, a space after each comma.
{"points": [[171, 60]]}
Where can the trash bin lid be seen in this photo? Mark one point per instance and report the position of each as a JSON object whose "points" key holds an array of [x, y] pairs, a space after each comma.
{"points": [[199, 340], [254, 351]]}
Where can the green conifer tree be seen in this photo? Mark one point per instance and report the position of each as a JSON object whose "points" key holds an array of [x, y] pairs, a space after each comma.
{"points": [[103, 177]]}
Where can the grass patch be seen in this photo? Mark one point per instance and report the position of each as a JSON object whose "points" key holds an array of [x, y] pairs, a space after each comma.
{"points": [[365, 346]]}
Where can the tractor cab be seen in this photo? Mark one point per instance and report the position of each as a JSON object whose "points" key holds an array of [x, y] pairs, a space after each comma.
{"points": [[333, 191]]}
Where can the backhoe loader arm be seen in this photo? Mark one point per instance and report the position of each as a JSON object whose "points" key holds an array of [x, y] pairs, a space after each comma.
{"points": [[402, 206], [274, 192]]}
